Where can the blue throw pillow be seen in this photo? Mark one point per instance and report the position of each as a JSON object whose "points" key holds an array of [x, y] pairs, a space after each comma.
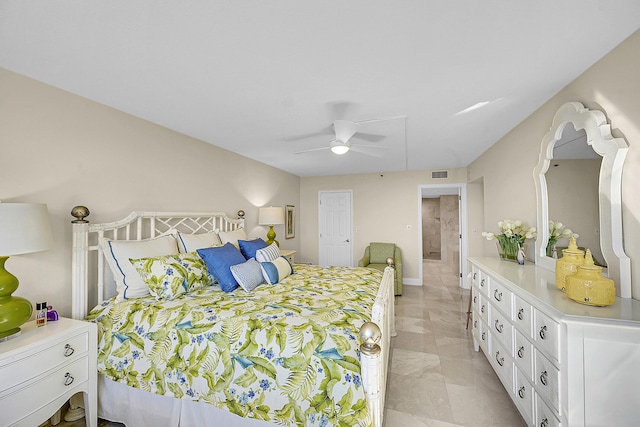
{"points": [[249, 247], [276, 270], [219, 261]]}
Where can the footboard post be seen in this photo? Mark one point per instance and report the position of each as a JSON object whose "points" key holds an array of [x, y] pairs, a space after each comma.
{"points": [[372, 369]]}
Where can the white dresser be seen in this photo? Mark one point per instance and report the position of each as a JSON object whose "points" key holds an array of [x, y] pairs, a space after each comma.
{"points": [[43, 367], [563, 363]]}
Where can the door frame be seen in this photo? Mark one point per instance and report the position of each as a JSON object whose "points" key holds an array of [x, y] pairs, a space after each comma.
{"points": [[320, 193], [439, 189]]}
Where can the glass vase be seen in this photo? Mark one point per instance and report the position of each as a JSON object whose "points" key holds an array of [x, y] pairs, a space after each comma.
{"points": [[508, 249]]}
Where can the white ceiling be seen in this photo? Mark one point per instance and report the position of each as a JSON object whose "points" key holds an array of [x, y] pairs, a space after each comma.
{"points": [[265, 79]]}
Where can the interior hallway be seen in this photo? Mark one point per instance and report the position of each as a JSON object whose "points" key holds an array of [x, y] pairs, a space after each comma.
{"points": [[436, 379]]}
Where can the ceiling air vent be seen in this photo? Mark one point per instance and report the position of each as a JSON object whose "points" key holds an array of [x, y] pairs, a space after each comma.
{"points": [[439, 174]]}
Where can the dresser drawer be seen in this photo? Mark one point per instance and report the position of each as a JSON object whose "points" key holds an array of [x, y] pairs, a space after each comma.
{"points": [[483, 308], [25, 400], [524, 396], [522, 316], [500, 297], [23, 369], [523, 354], [483, 282], [546, 334], [546, 380], [501, 328], [545, 417], [502, 363], [484, 337]]}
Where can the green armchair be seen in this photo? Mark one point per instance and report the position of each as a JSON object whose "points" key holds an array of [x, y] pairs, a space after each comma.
{"points": [[375, 256]]}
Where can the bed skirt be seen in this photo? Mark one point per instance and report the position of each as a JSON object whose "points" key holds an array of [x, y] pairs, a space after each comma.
{"points": [[136, 408]]}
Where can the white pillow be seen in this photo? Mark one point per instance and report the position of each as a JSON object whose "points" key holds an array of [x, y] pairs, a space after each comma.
{"points": [[129, 284], [192, 242], [268, 254], [232, 236]]}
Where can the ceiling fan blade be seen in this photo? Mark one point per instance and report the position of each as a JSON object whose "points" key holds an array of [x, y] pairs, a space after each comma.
{"points": [[326, 131], [381, 119], [312, 149], [369, 146], [345, 129], [371, 137], [361, 150]]}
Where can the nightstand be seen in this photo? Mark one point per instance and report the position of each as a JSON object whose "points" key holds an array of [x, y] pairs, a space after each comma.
{"points": [[43, 367], [288, 254]]}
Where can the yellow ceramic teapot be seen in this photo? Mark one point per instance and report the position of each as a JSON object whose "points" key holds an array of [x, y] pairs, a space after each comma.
{"points": [[588, 286], [572, 257]]}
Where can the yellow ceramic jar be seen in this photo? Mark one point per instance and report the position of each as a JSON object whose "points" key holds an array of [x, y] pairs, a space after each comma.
{"points": [[572, 257], [588, 286]]}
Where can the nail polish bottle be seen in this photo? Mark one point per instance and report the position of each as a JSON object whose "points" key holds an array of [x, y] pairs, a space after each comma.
{"points": [[41, 314]]}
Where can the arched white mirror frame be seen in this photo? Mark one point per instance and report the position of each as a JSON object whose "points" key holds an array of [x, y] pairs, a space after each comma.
{"points": [[613, 152]]}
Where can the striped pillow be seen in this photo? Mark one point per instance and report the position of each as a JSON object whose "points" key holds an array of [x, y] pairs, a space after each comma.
{"points": [[248, 274], [268, 254]]}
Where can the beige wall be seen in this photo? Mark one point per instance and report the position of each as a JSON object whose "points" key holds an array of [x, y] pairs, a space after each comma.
{"points": [[64, 150], [383, 205], [611, 85]]}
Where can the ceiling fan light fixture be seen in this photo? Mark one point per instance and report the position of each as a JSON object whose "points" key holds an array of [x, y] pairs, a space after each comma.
{"points": [[339, 149]]}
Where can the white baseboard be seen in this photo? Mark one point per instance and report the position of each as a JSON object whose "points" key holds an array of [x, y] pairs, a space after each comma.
{"points": [[411, 282]]}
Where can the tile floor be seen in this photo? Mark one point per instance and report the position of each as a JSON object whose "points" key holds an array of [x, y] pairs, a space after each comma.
{"points": [[436, 379]]}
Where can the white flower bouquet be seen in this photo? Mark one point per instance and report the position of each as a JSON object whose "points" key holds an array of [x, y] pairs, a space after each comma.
{"points": [[512, 237], [557, 231]]}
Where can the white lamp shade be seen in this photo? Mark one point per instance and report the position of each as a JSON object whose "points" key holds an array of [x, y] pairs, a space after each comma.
{"points": [[272, 215], [24, 228]]}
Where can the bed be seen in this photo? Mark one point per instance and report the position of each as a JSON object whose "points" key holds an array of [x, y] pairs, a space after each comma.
{"points": [[311, 348]]}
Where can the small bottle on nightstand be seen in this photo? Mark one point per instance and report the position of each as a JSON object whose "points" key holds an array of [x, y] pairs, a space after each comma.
{"points": [[41, 314]]}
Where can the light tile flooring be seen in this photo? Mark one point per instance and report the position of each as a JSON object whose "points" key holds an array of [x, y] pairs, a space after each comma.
{"points": [[436, 379]]}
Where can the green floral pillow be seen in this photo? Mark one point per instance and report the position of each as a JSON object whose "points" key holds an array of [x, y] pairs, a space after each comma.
{"points": [[170, 276]]}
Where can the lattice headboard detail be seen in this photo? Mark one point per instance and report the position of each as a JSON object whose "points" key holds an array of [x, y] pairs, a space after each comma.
{"points": [[91, 281]]}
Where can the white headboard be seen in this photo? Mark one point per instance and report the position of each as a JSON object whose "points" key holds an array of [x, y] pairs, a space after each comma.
{"points": [[89, 275]]}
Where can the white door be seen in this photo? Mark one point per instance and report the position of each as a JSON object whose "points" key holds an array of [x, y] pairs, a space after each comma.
{"points": [[336, 246]]}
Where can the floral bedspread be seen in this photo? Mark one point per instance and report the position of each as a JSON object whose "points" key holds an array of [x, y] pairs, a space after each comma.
{"points": [[288, 353]]}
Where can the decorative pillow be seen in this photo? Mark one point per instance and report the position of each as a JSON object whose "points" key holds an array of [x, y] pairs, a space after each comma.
{"points": [[276, 270], [249, 247], [232, 236], [219, 261], [173, 275], [248, 274], [268, 254], [379, 252], [192, 242], [129, 284]]}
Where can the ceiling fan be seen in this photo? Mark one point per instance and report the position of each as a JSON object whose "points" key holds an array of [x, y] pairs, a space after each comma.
{"points": [[344, 130]]}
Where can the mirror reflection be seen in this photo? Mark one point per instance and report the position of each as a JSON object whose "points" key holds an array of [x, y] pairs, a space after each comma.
{"points": [[572, 184]]}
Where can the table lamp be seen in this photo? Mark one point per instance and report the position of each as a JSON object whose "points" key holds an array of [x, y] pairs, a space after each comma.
{"points": [[272, 215], [24, 228]]}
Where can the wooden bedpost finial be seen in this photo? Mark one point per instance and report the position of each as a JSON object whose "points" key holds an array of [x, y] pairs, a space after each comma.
{"points": [[240, 213], [80, 213], [370, 336], [390, 262]]}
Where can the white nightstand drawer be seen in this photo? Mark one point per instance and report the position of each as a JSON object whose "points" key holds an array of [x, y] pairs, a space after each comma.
{"points": [[25, 368], [24, 400]]}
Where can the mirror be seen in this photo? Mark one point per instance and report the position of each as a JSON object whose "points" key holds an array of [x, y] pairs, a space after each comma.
{"points": [[573, 116]]}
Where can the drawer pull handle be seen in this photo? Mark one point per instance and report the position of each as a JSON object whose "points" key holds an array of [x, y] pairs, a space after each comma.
{"points": [[499, 359], [482, 309], [497, 295], [68, 379], [521, 352], [543, 332], [521, 314], [68, 350], [499, 326], [482, 283], [483, 336], [543, 377], [475, 323], [475, 299], [544, 423], [474, 276], [521, 392]]}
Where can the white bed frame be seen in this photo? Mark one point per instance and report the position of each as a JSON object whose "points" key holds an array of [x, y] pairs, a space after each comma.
{"points": [[92, 283]]}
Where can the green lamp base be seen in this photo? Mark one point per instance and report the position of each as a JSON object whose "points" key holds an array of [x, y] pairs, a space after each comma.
{"points": [[14, 311], [271, 236]]}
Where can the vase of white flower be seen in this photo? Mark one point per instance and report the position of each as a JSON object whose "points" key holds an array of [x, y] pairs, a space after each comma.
{"points": [[512, 239], [557, 232]]}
